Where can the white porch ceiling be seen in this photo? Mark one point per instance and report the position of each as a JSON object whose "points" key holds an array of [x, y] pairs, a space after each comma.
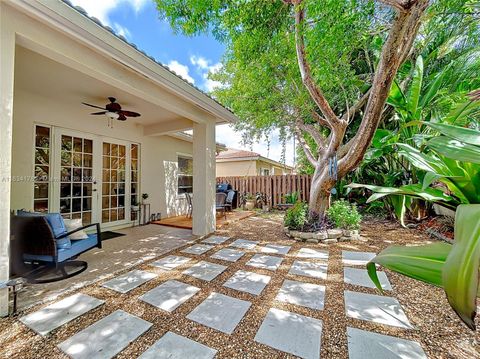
{"points": [[38, 74]]}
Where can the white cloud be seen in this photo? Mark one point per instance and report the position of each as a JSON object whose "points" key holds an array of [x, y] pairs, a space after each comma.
{"points": [[204, 67], [199, 62], [101, 8], [122, 31], [181, 70], [226, 135]]}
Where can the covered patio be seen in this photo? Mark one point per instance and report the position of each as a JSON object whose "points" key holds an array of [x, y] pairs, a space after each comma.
{"points": [[135, 246], [56, 157]]}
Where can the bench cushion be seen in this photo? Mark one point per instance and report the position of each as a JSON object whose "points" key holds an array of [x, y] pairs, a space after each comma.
{"points": [[76, 248]]}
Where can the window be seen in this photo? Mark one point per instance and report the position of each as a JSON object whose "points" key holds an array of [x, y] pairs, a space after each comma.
{"points": [[265, 172], [42, 169], [185, 175]]}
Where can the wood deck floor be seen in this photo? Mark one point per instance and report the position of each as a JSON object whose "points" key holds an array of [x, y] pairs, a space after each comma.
{"points": [[184, 222]]}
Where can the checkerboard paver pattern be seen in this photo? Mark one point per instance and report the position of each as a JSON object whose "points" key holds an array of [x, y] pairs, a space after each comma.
{"points": [[265, 262], [282, 330]]}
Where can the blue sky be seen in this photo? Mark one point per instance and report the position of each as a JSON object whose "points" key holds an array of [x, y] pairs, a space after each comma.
{"points": [[190, 57]]}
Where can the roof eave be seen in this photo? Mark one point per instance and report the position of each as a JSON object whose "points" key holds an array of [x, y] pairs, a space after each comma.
{"points": [[92, 33]]}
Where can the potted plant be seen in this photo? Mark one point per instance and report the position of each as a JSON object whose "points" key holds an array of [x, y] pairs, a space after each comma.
{"points": [[144, 197], [249, 201], [135, 206], [261, 201]]}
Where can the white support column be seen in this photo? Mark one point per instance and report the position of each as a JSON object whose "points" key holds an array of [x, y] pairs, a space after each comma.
{"points": [[203, 178], [7, 62]]}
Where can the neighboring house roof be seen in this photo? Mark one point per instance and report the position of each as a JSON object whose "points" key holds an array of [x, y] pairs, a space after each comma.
{"points": [[232, 154]]}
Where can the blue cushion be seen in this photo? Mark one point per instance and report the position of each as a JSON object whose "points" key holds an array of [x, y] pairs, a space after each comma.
{"points": [[64, 254], [55, 220], [78, 247], [23, 213], [63, 243]]}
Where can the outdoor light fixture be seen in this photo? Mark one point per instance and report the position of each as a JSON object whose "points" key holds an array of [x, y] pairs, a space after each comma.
{"points": [[112, 115]]}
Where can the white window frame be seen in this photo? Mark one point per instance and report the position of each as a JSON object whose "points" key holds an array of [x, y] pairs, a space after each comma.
{"points": [[188, 157]]}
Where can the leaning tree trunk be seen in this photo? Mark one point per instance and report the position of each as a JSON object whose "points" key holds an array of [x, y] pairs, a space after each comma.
{"points": [[394, 52], [320, 192]]}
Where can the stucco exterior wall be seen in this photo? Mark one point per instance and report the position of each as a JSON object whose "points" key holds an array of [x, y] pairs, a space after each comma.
{"points": [[248, 168], [236, 168], [274, 169], [158, 155]]}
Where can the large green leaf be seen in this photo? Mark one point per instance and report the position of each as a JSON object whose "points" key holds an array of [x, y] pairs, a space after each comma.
{"points": [[452, 267], [460, 273], [433, 89], [398, 203], [415, 87], [462, 134], [424, 263], [413, 190], [455, 149], [423, 161], [396, 98]]}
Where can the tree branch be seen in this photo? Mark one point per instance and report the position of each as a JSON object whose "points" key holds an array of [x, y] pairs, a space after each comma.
{"points": [[320, 119], [305, 70], [312, 131], [402, 5], [399, 42], [360, 103], [306, 148]]}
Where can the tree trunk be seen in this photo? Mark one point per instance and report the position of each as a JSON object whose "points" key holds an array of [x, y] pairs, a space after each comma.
{"points": [[320, 189]]}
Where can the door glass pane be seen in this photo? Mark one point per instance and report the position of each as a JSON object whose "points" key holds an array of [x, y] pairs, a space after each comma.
{"points": [[113, 182], [42, 169], [76, 178], [134, 195]]}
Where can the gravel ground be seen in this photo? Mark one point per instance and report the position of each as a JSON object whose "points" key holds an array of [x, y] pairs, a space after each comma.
{"points": [[438, 330]]}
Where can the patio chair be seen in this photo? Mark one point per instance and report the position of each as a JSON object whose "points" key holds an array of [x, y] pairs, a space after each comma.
{"points": [[229, 200], [44, 240], [220, 205], [188, 197]]}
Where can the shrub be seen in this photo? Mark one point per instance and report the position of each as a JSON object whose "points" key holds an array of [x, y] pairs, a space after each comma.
{"points": [[291, 198], [296, 216], [344, 215]]}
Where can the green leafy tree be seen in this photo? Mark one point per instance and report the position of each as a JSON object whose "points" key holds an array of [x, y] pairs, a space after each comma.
{"points": [[304, 66]]}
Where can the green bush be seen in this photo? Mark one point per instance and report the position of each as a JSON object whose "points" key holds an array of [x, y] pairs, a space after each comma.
{"points": [[291, 198], [296, 216], [344, 215]]}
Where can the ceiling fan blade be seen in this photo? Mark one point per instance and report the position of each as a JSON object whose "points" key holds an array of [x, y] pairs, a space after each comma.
{"points": [[121, 117], [99, 113], [87, 104], [130, 113]]}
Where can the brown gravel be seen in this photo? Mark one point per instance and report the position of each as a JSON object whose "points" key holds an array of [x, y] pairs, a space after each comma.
{"points": [[438, 329]]}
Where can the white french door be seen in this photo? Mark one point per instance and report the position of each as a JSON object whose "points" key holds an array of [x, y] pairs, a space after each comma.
{"points": [[94, 177], [115, 199]]}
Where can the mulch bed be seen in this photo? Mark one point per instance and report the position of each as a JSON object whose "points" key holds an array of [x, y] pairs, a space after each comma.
{"points": [[438, 329]]}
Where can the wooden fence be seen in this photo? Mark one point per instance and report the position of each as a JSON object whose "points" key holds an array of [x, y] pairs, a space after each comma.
{"points": [[275, 187]]}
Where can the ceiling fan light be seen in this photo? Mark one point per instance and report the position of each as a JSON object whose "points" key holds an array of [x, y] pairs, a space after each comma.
{"points": [[112, 115]]}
